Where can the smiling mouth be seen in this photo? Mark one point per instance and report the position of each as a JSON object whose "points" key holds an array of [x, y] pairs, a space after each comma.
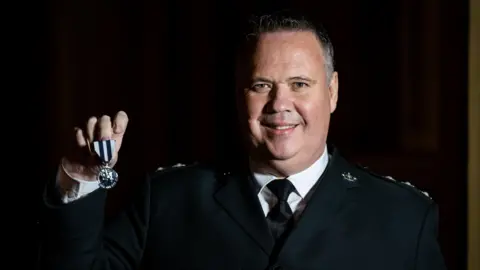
{"points": [[280, 127]]}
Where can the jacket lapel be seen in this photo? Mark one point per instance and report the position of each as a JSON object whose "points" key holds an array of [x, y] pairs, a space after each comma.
{"points": [[325, 204], [239, 200]]}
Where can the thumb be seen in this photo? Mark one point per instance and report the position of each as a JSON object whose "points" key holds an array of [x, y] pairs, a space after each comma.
{"points": [[119, 129], [120, 123]]}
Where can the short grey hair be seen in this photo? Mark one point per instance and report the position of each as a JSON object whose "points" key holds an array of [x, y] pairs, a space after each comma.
{"points": [[283, 22]]}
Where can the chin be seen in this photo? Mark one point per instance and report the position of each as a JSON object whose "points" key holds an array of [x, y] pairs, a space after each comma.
{"points": [[281, 152]]}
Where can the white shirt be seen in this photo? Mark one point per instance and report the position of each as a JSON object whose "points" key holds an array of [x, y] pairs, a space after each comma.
{"points": [[302, 181]]}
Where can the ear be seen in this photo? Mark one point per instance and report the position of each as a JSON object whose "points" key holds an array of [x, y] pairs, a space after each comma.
{"points": [[333, 91]]}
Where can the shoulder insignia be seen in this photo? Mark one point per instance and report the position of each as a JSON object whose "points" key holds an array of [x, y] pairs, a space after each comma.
{"points": [[178, 165], [349, 177], [402, 183], [417, 189]]}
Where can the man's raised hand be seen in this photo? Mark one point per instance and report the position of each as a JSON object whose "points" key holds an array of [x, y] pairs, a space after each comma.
{"points": [[81, 161]]}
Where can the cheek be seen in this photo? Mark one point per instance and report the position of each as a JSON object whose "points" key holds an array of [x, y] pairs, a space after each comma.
{"points": [[315, 112], [254, 108], [254, 105]]}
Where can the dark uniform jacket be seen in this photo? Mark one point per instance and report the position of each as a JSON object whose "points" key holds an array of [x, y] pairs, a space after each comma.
{"points": [[199, 217]]}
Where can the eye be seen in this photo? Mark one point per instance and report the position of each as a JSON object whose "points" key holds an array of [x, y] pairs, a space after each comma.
{"points": [[261, 87], [300, 85]]}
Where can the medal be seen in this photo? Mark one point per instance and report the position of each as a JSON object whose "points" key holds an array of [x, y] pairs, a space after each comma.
{"points": [[107, 177]]}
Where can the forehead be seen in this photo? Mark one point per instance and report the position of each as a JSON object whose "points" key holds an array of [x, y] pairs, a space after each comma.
{"points": [[287, 48]]}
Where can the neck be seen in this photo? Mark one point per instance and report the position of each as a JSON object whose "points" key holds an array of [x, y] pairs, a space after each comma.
{"points": [[284, 168]]}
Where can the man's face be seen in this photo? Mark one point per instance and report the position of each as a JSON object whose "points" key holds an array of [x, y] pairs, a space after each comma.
{"points": [[288, 99]]}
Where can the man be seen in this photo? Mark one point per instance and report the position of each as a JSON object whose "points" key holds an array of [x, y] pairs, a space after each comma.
{"points": [[297, 205]]}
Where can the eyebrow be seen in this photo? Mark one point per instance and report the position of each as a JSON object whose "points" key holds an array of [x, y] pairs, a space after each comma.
{"points": [[261, 79], [302, 78]]}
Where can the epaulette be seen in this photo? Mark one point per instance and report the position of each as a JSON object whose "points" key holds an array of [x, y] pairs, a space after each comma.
{"points": [[175, 166], [404, 184]]}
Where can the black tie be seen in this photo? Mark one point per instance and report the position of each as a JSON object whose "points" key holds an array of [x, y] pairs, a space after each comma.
{"points": [[280, 218]]}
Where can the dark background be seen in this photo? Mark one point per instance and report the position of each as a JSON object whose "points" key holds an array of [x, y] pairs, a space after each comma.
{"points": [[402, 102]]}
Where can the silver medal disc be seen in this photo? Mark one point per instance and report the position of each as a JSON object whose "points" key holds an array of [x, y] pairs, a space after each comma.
{"points": [[107, 177]]}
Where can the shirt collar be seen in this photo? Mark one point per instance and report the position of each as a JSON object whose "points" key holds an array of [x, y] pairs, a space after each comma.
{"points": [[302, 181]]}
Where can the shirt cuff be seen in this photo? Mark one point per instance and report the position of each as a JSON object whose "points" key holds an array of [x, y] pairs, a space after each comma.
{"points": [[71, 188]]}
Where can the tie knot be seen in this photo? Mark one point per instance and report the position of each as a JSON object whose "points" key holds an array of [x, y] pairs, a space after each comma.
{"points": [[281, 188]]}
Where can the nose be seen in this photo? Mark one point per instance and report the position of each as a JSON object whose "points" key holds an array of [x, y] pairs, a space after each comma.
{"points": [[280, 99]]}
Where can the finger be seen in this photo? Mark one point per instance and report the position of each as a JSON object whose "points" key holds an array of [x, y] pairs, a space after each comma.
{"points": [[78, 149], [105, 128], [91, 123], [120, 122], [81, 140]]}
